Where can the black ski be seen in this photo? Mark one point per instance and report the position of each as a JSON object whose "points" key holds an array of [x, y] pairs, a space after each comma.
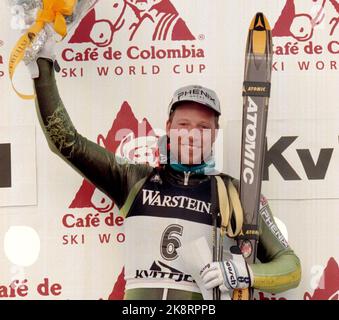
{"points": [[216, 222], [256, 93]]}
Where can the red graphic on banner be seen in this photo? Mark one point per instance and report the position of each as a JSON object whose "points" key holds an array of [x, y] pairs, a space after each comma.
{"points": [[119, 287], [299, 20], [152, 19], [329, 284], [130, 144]]}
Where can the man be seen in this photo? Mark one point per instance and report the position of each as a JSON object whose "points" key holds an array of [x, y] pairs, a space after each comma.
{"points": [[168, 206]]}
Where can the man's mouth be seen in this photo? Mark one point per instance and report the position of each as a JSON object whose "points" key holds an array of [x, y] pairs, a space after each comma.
{"points": [[191, 146]]}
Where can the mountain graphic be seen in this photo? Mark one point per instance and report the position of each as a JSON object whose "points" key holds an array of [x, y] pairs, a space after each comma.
{"points": [[125, 119], [108, 19], [118, 290], [300, 23], [328, 288]]}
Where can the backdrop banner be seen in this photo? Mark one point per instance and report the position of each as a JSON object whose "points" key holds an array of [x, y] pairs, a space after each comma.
{"points": [[62, 238]]}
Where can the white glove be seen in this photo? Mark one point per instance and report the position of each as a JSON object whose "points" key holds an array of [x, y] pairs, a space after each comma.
{"points": [[233, 273], [43, 46]]}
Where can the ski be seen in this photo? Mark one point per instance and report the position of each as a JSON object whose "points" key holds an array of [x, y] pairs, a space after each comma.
{"points": [[215, 236], [256, 93]]}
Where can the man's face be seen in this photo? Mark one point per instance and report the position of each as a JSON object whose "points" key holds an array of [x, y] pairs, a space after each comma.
{"points": [[143, 5], [192, 131]]}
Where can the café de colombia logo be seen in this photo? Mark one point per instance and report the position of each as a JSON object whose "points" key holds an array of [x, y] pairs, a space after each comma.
{"points": [[134, 20], [107, 28], [309, 27], [302, 19]]}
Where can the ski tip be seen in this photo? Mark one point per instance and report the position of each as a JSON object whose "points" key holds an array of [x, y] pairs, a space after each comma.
{"points": [[261, 37], [260, 23]]}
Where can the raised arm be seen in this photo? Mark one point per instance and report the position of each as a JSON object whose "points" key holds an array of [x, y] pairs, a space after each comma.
{"points": [[92, 161]]}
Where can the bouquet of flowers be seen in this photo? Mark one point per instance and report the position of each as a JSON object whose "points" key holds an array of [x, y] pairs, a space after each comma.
{"points": [[41, 20]]}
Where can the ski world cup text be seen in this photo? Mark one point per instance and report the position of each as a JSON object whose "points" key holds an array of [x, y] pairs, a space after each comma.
{"points": [[135, 60]]}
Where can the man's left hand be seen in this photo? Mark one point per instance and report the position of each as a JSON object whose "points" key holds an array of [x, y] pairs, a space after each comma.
{"points": [[230, 274]]}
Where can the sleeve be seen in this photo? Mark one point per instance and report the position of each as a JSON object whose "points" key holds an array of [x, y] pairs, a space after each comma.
{"points": [[279, 267], [107, 172]]}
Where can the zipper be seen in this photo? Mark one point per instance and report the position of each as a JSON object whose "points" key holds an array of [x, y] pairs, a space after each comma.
{"points": [[187, 176]]}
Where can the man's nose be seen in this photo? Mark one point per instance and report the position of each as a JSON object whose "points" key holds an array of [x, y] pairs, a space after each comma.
{"points": [[194, 135]]}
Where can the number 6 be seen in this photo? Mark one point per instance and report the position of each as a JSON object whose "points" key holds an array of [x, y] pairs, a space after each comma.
{"points": [[169, 242]]}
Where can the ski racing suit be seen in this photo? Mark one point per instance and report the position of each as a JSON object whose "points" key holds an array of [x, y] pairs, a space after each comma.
{"points": [[163, 209]]}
